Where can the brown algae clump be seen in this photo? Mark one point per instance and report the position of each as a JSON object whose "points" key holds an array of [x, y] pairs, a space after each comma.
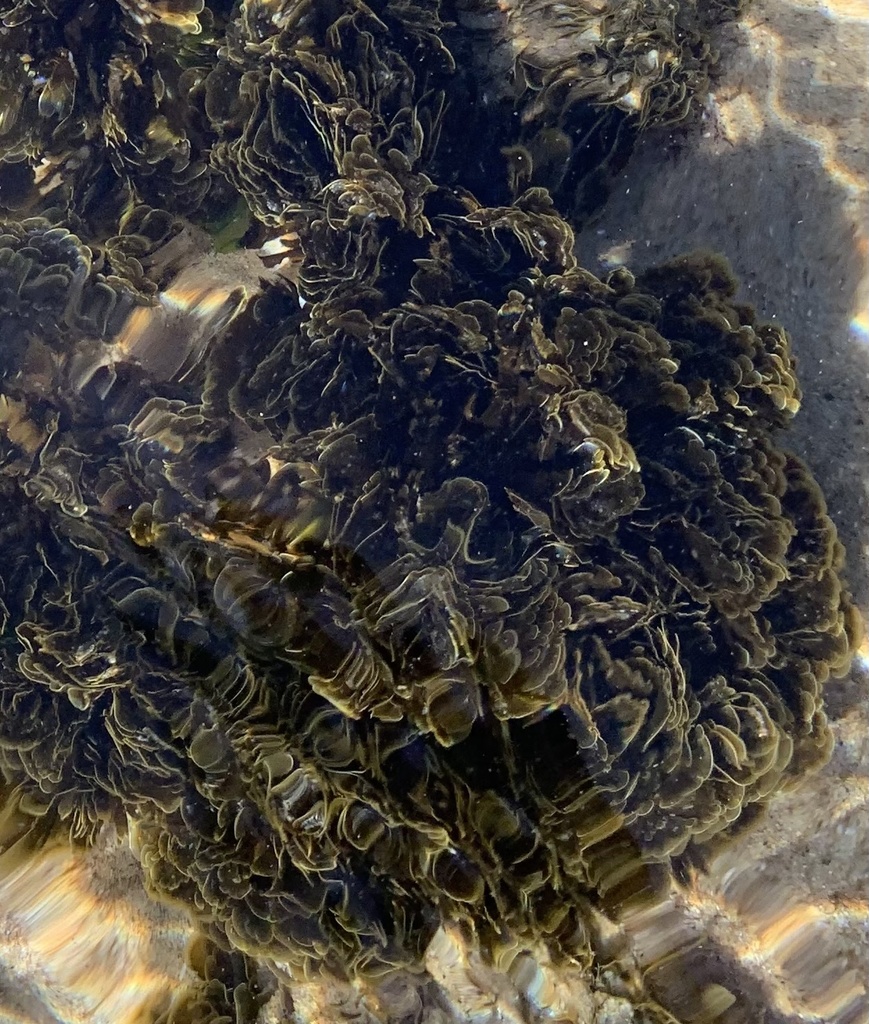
{"points": [[443, 583]]}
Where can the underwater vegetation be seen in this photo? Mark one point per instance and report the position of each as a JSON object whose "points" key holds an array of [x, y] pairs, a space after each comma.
{"points": [[432, 580]]}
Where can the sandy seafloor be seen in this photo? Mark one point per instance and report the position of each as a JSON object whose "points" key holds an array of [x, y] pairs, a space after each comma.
{"points": [[776, 176]]}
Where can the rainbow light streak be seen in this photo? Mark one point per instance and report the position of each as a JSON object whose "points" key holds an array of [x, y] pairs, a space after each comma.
{"points": [[859, 327]]}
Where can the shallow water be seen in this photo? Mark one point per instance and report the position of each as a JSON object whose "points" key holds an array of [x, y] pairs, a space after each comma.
{"points": [[772, 926]]}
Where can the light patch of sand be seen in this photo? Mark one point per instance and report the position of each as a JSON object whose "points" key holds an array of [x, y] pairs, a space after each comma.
{"points": [[80, 942]]}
